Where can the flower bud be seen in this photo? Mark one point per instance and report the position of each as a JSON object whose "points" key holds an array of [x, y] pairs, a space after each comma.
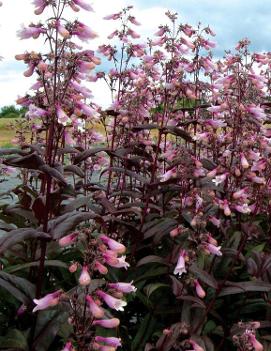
{"points": [[84, 278], [199, 290]]}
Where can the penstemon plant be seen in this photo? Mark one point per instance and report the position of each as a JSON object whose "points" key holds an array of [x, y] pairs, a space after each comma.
{"points": [[59, 115], [178, 180]]}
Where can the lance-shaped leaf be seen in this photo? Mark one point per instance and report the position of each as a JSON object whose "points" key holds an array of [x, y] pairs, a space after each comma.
{"points": [[203, 276], [20, 288], [48, 325], [127, 172], [242, 287], [14, 340], [160, 227], [18, 235], [88, 153], [147, 326], [179, 132], [11, 151], [62, 225], [151, 259], [47, 263], [54, 173], [148, 126], [74, 169], [31, 161]]}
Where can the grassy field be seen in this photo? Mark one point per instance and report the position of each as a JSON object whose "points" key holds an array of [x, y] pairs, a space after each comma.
{"points": [[7, 132]]}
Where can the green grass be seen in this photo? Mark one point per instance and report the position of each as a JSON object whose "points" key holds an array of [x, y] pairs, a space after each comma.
{"points": [[7, 133]]}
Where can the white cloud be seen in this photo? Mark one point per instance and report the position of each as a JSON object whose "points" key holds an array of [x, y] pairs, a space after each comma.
{"points": [[15, 13], [230, 19]]}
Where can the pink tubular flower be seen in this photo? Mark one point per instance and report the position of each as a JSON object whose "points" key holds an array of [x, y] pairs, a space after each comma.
{"points": [[95, 310], [175, 232], [169, 174], [111, 301], [196, 346], [87, 110], [40, 6], [242, 193], [219, 179], [161, 32], [133, 34], [255, 343], [257, 112], [215, 123], [224, 205], [83, 90], [118, 262], [68, 239], [215, 109], [114, 16], [21, 310], [123, 287], [36, 86], [107, 323], [62, 30], [29, 72], [103, 347], [199, 290], [180, 267], [83, 32], [84, 278], [62, 117], [215, 250], [133, 20], [244, 208], [34, 111], [110, 257], [67, 347], [216, 222], [30, 32], [73, 267], [113, 244], [100, 268], [256, 179], [84, 5], [244, 162], [111, 341], [47, 301]]}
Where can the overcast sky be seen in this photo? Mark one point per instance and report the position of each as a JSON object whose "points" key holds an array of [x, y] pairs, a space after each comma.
{"points": [[230, 19]]}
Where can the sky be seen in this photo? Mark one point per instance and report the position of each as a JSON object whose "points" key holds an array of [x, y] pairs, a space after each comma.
{"points": [[231, 20]]}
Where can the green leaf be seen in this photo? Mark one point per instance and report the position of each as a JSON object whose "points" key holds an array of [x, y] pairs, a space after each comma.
{"points": [[160, 226], [74, 169], [31, 161], [62, 225], [203, 276], [151, 288], [147, 327], [19, 287], [47, 263], [151, 259], [242, 287], [18, 235], [179, 132], [48, 325], [88, 153], [148, 126], [154, 272], [14, 339]]}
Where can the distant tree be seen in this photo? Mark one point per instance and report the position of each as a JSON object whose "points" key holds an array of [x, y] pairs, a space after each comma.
{"points": [[12, 111]]}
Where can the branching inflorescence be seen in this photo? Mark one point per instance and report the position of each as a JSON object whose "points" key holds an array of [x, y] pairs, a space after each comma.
{"points": [[179, 178]]}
